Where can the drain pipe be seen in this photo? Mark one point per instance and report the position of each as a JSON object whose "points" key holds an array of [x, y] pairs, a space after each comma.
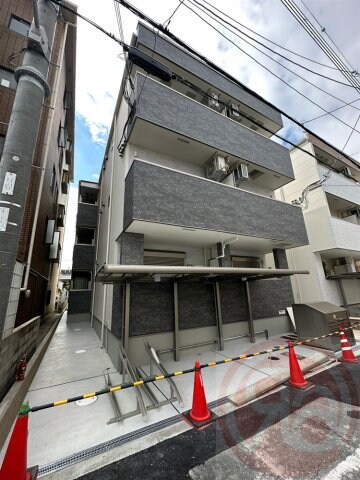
{"points": [[108, 234], [223, 245], [24, 288]]}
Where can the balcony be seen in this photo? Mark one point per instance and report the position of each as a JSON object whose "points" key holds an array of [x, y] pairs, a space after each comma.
{"points": [[87, 215], [158, 197], [345, 235], [175, 125], [83, 257], [191, 68]]}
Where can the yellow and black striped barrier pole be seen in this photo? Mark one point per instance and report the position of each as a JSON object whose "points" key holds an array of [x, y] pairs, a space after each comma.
{"points": [[157, 378]]}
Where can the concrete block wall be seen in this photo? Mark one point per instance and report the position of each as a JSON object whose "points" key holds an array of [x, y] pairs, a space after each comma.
{"points": [[22, 340]]}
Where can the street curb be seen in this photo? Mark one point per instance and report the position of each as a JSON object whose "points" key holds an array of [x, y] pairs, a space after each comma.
{"points": [[11, 403], [266, 384]]}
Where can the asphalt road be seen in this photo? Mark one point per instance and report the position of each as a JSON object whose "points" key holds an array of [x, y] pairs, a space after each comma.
{"points": [[289, 434]]}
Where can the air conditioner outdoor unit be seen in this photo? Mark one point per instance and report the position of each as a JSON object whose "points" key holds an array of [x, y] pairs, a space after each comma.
{"points": [[216, 167], [213, 101], [241, 173]]}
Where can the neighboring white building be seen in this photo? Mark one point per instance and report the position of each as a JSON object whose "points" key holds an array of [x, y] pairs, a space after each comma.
{"points": [[332, 219]]}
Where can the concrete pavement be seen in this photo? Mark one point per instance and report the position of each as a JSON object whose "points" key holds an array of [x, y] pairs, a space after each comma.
{"points": [[72, 440]]}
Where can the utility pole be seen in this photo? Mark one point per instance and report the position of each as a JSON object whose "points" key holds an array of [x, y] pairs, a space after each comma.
{"points": [[19, 147]]}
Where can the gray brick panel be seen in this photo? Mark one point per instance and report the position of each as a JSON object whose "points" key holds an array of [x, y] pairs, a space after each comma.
{"points": [[79, 301], [233, 302], [169, 197], [87, 215], [117, 310], [83, 257], [196, 67], [196, 305], [164, 107], [131, 249], [270, 296], [151, 307]]}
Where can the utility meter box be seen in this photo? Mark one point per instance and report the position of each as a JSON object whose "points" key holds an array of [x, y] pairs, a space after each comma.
{"points": [[321, 318]]}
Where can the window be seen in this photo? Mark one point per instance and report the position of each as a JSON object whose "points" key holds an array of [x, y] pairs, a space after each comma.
{"points": [[7, 79], [81, 281], [246, 262], [85, 236], [19, 25], [158, 257]]}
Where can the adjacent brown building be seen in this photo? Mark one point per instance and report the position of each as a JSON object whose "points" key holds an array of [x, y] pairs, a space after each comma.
{"points": [[39, 253]]}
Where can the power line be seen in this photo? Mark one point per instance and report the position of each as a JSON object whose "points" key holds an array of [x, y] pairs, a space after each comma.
{"points": [[283, 66], [167, 22], [268, 69], [352, 131], [165, 31], [271, 41], [323, 29], [319, 40], [202, 7]]}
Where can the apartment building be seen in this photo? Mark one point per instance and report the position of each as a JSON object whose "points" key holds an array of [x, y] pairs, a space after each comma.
{"points": [[191, 241], [34, 287], [332, 217], [82, 275]]}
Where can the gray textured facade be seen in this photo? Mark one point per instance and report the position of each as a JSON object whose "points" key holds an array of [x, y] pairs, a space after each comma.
{"points": [[87, 215], [161, 195], [162, 106], [84, 257], [176, 55]]}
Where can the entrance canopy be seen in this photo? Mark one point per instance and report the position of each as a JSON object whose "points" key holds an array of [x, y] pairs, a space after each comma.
{"points": [[124, 273], [128, 274]]}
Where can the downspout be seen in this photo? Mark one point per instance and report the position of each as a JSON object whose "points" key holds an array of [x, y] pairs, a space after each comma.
{"points": [[108, 232], [223, 245], [96, 259], [24, 288]]}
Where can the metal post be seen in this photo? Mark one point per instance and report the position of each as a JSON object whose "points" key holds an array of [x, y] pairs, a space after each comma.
{"points": [[127, 318], [20, 142], [176, 324], [250, 320], [219, 316]]}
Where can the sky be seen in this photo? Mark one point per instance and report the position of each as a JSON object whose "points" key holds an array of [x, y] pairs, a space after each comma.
{"points": [[100, 63]]}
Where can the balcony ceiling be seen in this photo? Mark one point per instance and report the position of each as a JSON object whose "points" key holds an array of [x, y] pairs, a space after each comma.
{"points": [[167, 142], [173, 235], [340, 252]]}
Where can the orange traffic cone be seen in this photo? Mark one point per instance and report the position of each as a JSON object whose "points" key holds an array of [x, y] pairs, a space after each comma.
{"points": [[347, 354], [296, 379], [14, 464], [199, 415]]}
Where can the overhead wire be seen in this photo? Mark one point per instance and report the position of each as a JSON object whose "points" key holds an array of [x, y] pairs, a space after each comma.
{"points": [[314, 85], [268, 69], [352, 70], [202, 7], [269, 40], [167, 22], [294, 73], [159, 27], [320, 41]]}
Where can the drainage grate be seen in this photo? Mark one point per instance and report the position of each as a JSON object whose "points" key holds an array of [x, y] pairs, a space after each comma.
{"points": [[115, 442]]}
